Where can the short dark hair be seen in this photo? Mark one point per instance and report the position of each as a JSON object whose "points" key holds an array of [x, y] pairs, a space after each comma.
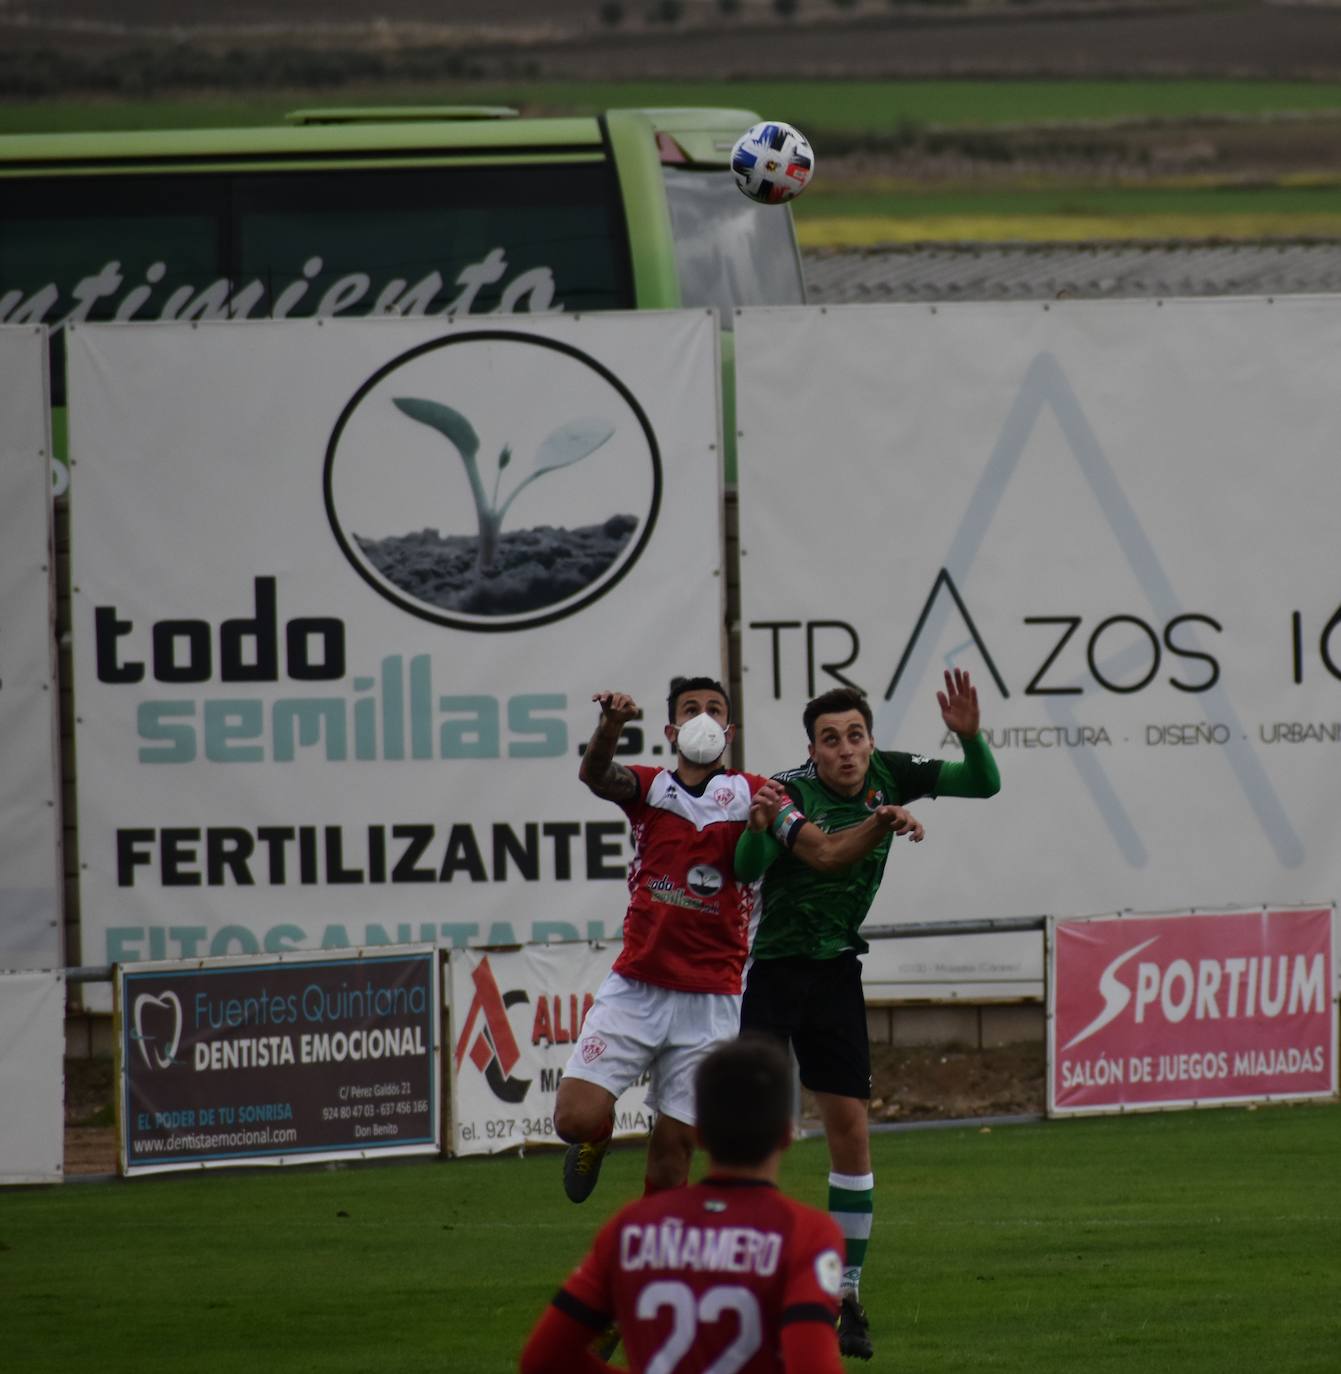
{"points": [[680, 685], [834, 703], [743, 1095]]}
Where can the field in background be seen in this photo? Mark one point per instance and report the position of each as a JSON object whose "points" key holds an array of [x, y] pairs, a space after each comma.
{"points": [[938, 160], [866, 107], [1199, 1241], [1077, 213]]}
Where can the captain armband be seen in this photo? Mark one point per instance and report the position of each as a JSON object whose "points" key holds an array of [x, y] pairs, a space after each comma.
{"points": [[788, 822]]}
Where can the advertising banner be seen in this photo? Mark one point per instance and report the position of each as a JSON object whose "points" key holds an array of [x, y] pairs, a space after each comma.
{"points": [[1190, 1009], [515, 1018], [30, 875], [32, 1079], [345, 592], [1073, 502], [994, 967], [278, 1061]]}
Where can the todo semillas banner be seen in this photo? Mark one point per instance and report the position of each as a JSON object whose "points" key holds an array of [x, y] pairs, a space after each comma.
{"points": [[344, 591], [1191, 1008]]}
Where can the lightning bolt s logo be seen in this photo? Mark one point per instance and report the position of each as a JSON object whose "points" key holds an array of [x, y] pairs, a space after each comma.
{"points": [[1116, 995]]}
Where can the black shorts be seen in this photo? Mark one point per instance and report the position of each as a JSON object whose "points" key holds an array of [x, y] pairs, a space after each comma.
{"points": [[819, 1007]]}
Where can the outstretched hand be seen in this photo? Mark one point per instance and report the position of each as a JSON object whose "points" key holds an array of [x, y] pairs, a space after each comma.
{"points": [[765, 803], [617, 707], [900, 822], [959, 703]]}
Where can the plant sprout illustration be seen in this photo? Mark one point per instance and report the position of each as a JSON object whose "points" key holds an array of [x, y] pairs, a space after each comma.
{"points": [[568, 444]]}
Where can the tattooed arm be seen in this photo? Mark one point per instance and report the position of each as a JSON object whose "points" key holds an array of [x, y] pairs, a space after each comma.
{"points": [[598, 769]]}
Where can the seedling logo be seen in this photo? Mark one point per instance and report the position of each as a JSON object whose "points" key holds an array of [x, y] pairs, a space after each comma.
{"points": [[704, 881], [157, 1023], [433, 480]]}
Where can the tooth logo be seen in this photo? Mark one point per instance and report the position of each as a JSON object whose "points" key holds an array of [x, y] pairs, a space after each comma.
{"points": [[1116, 995], [168, 1001]]}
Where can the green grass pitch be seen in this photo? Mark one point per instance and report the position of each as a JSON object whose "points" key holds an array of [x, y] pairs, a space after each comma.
{"points": [[1199, 1241]]}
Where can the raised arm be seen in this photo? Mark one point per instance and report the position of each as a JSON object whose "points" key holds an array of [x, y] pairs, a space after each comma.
{"points": [[976, 775], [598, 768]]}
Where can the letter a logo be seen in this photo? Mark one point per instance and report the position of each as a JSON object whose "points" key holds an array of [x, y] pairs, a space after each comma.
{"points": [[494, 1050]]}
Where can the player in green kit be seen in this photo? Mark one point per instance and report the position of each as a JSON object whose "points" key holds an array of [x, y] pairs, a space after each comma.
{"points": [[804, 985]]}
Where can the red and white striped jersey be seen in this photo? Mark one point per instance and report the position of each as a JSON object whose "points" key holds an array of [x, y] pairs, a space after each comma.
{"points": [[690, 923]]}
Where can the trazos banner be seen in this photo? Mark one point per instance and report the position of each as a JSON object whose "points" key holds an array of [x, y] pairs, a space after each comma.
{"points": [[278, 1061], [516, 1015], [1190, 1009], [30, 907], [345, 591], [1120, 517]]}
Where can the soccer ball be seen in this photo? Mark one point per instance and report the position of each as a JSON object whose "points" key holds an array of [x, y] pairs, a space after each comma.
{"points": [[772, 162]]}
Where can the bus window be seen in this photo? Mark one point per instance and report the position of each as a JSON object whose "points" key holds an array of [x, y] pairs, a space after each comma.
{"points": [[729, 251], [467, 240], [353, 241]]}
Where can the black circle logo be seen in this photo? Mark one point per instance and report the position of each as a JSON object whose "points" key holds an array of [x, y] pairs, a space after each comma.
{"points": [[492, 480]]}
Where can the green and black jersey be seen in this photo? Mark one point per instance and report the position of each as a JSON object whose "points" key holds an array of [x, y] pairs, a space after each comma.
{"points": [[814, 915]]}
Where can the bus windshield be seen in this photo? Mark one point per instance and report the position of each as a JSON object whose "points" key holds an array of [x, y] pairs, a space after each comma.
{"points": [[730, 252]]}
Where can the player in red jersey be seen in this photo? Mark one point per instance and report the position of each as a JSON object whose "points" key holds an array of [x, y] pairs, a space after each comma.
{"points": [[674, 990], [725, 1274]]}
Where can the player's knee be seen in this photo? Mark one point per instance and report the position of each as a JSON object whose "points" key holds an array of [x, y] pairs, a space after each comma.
{"points": [[569, 1121], [580, 1115]]}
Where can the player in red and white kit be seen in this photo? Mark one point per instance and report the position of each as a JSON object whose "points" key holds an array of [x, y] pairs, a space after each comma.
{"points": [[725, 1274], [674, 991]]}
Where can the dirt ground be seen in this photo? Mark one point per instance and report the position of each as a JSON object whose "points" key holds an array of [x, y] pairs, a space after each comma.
{"points": [[909, 1085]]}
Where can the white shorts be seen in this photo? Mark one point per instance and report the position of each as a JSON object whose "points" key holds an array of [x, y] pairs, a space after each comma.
{"points": [[634, 1027]]}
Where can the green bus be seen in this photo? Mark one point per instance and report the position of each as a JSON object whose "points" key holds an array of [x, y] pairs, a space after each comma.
{"points": [[409, 211]]}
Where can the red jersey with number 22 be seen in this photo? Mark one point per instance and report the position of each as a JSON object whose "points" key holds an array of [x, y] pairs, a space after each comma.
{"points": [[689, 922], [707, 1276]]}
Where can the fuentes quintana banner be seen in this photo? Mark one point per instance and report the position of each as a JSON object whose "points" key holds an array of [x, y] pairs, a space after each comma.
{"points": [[278, 1060]]}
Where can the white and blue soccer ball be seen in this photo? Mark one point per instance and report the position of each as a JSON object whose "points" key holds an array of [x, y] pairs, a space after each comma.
{"points": [[772, 162]]}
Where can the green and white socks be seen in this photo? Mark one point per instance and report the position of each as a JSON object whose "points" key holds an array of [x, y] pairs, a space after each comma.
{"points": [[852, 1205]]}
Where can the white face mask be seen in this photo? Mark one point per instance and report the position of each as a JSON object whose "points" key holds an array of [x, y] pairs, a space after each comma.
{"points": [[701, 739]]}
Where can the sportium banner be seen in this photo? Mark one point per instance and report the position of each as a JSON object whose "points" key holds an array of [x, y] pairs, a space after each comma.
{"points": [[278, 1061], [30, 912], [345, 592], [515, 1018], [1120, 518], [1190, 1009]]}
